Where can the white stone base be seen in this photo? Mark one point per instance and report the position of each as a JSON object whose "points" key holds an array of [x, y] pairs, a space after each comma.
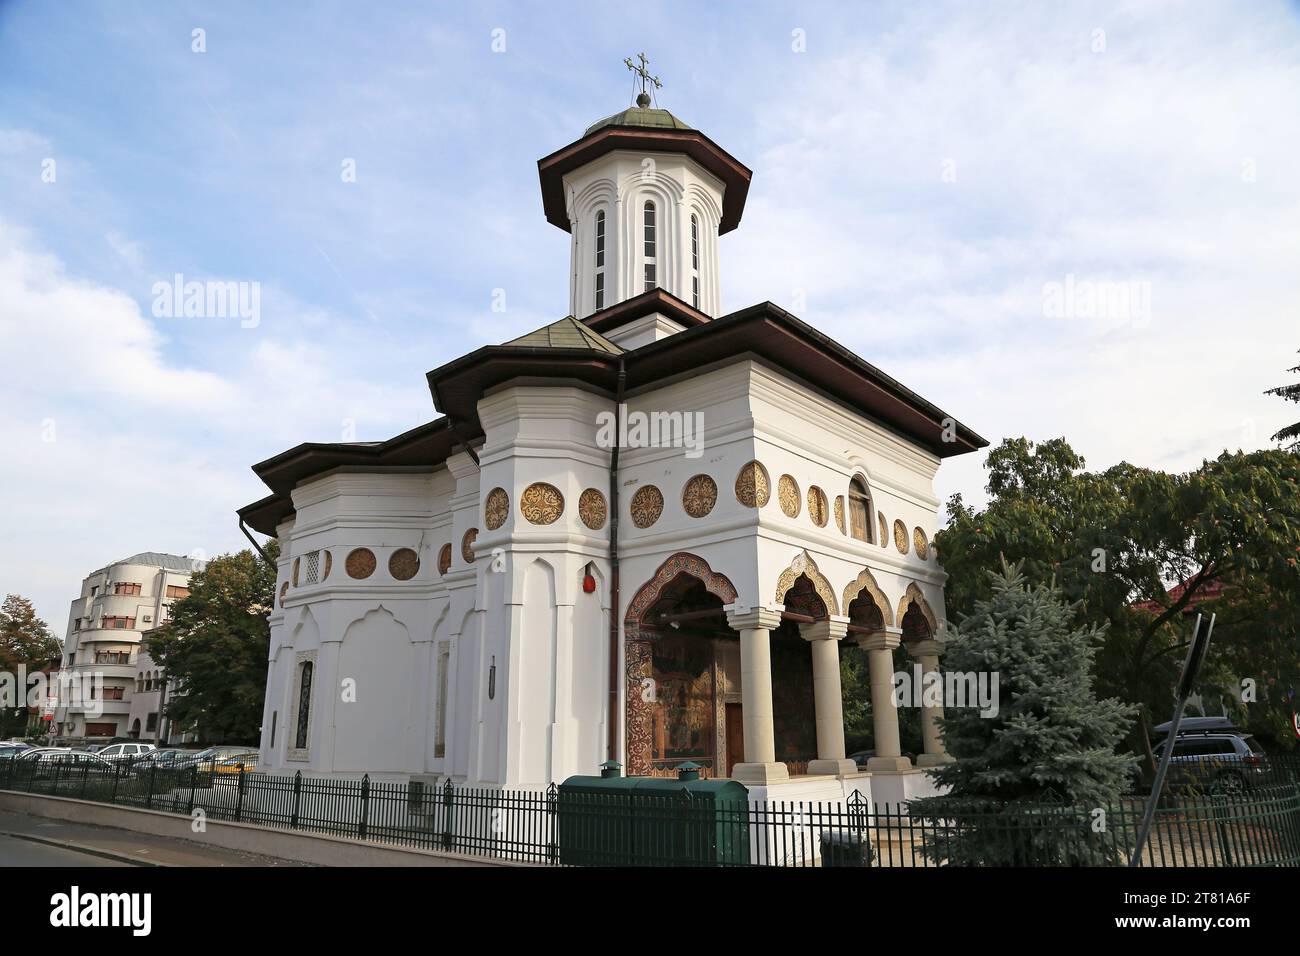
{"points": [[834, 768], [760, 774], [896, 788]]}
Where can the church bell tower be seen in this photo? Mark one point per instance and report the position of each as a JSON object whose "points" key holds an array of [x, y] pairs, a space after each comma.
{"points": [[644, 197]]}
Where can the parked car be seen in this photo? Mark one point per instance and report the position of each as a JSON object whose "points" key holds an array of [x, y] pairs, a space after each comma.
{"points": [[233, 764], [119, 752], [1215, 762], [862, 756], [209, 759], [54, 763]]}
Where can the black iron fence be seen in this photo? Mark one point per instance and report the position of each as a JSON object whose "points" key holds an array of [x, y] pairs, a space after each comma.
{"points": [[1258, 826]]}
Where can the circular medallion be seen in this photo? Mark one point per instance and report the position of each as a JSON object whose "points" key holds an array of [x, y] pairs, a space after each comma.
{"points": [[284, 589], [818, 510], [444, 559], [753, 486], [839, 514], [900, 537], [787, 492], [541, 503], [329, 563], [496, 509], [295, 571], [467, 545], [699, 496], [647, 506], [592, 509], [360, 563], [921, 542], [403, 564], [884, 529]]}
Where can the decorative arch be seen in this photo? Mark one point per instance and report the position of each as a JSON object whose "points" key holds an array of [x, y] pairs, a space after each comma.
{"points": [[804, 564], [866, 581], [683, 562], [913, 593]]}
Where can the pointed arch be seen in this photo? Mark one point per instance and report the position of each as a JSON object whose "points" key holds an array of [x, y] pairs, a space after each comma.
{"points": [[866, 581], [683, 562], [913, 593], [804, 564]]}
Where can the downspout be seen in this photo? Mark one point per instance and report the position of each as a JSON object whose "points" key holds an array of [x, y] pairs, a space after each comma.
{"points": [[612, 748]]}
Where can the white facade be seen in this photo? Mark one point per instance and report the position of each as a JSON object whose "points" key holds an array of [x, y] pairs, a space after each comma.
{"points": [[103, 643], [447, 615]]}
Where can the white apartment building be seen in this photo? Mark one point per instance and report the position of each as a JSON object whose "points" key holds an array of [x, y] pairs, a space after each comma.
{"points": [[116, 606]]}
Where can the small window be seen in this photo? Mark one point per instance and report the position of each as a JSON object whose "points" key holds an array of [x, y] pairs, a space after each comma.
{"points": [[600, 238], [695, 291], [649, 223], [177, 592], [859, 510], [695, 243], [600, 291], [304, 706], [649, 276]]}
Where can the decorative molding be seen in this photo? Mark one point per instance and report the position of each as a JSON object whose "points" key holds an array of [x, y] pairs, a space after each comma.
{"points": [[444, 559], [592, 509], [296, 562], [804, 564], [360, 563], [329, 563], [753, 485], [884, 529], [839, 514], [900, 536], [818, 510], [921, 542], [647, 506], [699, 496], [467, 545], [787, 492], [403, 564], [496, 509], [639, 717], [866, 581], [284, 589], [683, 562]]}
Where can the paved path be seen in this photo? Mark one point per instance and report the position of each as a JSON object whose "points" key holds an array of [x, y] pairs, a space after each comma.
{"points": [[26, 838]]}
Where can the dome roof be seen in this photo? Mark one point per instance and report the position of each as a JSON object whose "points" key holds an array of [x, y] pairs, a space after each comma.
{"points": [[636, 116]]}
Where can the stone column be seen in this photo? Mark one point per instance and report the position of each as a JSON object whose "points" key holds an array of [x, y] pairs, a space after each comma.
{"points": [[884, 711], [760, 765], [927, 654], [824, 639]]}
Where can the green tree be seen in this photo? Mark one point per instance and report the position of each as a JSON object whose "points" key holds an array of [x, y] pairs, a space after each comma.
{"points": [[1114, 542], [215, 646], [1292, 394], [1050, 743], [25, 642]]}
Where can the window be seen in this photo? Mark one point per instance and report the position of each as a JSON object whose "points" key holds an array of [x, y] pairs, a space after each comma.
{"points": [[94, 590], [600, 259], [122, 587], [304, 705], [76, 624], [695, 291], [177, 591], [111, 693], [859, 510], [695, 243], [600, 291], [151, 722], [139, 684], [113, 657], [101, 730], [650, 246], [440, 728], [274, 716], [118, 623]]}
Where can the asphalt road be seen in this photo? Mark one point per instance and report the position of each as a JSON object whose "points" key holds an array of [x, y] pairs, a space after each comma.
{"points": [[15, 852]]}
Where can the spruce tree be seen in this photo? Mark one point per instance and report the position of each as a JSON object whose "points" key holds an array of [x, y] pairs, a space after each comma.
{"points": [[1050, 744], [1292, 394]]}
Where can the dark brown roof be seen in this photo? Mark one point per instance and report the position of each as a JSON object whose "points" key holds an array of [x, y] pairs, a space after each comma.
{"points": [[607, 137], [647, 303]]}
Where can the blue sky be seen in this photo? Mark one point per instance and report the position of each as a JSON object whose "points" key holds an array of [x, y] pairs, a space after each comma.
{"points": [[922, 174]]}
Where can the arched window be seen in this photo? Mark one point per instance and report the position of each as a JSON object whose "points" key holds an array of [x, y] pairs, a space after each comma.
{"points": [[139, 684], [859, 510], [650, 246], [695, 261], [600, 259], [304, 706]]}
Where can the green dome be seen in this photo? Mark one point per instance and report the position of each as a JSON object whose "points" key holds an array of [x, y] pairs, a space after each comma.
{"points": [[636, 116]]}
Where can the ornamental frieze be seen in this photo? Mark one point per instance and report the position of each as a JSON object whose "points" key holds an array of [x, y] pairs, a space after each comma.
{"points": [[467, 545], [647, 506], [541, 503], [921, 542], [900, 536], [403, 564], [496, 509], [592, 509], [444, 559], [839, 513], [699, 496], [753, 486], [787, 492], [360, 563], [817, 508]]}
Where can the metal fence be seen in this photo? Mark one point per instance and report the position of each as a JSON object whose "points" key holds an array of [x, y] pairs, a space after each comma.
{"points": [[1258, 827]]}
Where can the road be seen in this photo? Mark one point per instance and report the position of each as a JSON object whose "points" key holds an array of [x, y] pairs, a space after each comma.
{"points": [[16, 852]]}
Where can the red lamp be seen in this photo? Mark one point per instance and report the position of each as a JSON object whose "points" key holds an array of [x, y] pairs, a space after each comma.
{"points": [[588, 583]]}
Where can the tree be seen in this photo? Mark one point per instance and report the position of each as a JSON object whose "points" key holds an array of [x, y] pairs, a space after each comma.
{"points": [[215, 646], [25, 641], [1051, 741], [1292, 394], [1114, 542]]}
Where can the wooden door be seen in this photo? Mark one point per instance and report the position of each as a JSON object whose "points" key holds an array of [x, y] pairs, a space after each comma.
{"points": [[735, 735]]}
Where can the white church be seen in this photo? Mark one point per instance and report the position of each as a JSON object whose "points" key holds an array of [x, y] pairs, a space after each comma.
{"points": [[640, 533]]}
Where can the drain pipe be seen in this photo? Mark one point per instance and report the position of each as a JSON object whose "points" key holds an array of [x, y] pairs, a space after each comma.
{"points": [[612, 747]]}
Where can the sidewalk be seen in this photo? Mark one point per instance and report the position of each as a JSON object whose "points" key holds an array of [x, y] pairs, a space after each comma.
{"points": [[139, 849]]}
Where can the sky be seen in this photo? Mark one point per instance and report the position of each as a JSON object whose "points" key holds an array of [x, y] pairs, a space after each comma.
{"points": [[1064, 219]]}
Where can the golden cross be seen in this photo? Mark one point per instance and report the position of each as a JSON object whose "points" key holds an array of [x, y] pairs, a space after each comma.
{"points": [[643, 98]]}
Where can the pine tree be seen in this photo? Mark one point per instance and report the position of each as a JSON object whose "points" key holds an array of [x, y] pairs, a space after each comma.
{"points": [[1292, 394], [1050, 744]]}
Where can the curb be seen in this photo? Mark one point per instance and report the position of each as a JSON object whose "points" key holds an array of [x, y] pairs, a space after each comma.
{"points": [[86, 849]]}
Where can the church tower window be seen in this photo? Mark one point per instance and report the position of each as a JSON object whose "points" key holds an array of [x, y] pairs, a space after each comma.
{"points": [[650, 246], [304, 706], [859, 510], [695, 261], [600, 259]]}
